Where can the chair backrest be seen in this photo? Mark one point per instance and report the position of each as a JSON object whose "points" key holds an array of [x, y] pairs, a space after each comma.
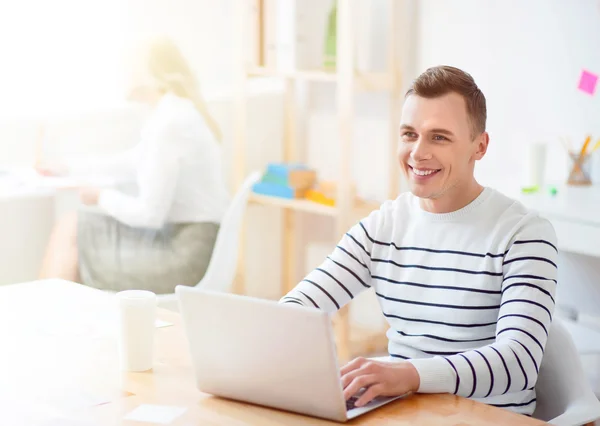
{"points": [[564, 396], [221, 270]]}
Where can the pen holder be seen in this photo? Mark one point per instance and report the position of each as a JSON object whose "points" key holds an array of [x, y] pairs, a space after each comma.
{"points": [[580, 169]]}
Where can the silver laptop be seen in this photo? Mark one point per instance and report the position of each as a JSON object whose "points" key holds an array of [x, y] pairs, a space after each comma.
{"points": [[265, 353]]}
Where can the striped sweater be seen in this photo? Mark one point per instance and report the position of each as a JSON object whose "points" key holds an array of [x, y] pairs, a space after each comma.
{"points": [[468, 295]]}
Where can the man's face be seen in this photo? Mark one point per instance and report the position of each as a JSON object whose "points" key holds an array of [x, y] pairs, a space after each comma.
{"points": [[437, 152]]}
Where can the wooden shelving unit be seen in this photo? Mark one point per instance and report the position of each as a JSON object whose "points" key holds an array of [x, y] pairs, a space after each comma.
{"points": [[359, 210], [307, 75], [296, 205], [364, 81], [347, 210]]}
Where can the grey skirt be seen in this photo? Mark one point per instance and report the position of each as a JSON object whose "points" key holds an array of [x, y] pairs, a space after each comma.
{"points": [[115, 256]]}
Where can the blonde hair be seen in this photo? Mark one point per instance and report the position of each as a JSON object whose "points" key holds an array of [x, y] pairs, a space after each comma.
{"points": [[171, 72]]}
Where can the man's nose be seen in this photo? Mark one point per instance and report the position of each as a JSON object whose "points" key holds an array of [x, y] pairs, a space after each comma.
{"points": [[420, 150]]}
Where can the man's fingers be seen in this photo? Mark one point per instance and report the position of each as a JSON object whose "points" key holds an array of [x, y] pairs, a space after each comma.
{"points": [[358, 383], [349, 377], [371, 393], [352, 365], [366, 367]]}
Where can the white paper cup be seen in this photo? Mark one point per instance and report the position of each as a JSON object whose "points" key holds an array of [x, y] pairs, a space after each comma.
{"points": [[536, 164], [137, 316]]}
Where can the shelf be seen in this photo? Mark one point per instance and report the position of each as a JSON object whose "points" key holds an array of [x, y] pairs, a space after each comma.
{"points": [[371, 81], [298, 205], [361, 208], [311, 75]]}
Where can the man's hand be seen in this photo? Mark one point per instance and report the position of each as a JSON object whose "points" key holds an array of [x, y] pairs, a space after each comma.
{"points": [[89, 196], [379, 378]]}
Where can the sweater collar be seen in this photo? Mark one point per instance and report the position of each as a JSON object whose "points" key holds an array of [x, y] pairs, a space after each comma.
{"points": [[456, 215]]}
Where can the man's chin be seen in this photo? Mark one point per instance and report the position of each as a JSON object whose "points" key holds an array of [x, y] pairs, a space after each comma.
{"points": [[421, 191]]}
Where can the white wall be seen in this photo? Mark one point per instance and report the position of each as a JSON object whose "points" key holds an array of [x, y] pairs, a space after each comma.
{"points": [[204, 29]]}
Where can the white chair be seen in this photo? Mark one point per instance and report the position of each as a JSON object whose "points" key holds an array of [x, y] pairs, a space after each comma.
{"points": [[220, 273], [564, 396]]}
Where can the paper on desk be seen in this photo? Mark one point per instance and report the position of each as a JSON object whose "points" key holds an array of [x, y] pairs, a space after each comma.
{"points": [[162, 414], [75, 398], [23, 411], [73, 182], [160, 323], [28, 177], [66, 421]]}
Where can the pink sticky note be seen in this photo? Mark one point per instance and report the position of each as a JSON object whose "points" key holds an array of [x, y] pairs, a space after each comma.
{"points": [[587, 82]]}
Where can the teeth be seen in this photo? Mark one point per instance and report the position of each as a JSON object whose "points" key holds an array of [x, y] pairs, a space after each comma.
{"points": [[423, 172]]}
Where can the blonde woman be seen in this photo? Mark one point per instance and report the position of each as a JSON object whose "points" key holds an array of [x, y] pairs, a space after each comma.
{"points": [[163, 233]]}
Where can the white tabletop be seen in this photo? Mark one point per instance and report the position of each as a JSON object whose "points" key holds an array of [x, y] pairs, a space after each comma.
{"points": [[571, 203]]}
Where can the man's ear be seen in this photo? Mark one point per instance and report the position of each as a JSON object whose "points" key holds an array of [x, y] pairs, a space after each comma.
{"points": [[482, 142]]}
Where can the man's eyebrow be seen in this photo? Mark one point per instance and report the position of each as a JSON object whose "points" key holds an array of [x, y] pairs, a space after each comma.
{"points": [[442, 131], [436, 130]]}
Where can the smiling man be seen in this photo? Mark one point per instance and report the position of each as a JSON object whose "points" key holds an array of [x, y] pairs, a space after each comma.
{"points": [[465, 276]]}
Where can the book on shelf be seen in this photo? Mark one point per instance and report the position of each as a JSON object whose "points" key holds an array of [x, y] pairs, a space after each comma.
{"points": [[284, 169], [317, 196], [275, 190], [295, 175], [297, 180], [286, 180]]}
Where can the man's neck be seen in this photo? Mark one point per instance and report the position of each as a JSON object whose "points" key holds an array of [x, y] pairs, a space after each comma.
{"points": [[454, 199]]}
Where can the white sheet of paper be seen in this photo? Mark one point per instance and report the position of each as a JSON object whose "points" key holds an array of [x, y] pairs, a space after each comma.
{"points": [[66, 421], [79, 399], [73, 399], [34, 412], [160, 323], [162, 414]]}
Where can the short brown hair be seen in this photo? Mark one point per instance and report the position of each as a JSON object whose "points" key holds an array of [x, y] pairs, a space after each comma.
{"points": [[443, 79]]}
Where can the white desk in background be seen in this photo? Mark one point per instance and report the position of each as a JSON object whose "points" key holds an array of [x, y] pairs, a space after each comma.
{"points": [[29, 207], [574, 213]]}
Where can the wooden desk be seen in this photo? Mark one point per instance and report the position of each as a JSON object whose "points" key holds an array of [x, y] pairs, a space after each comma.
{"points": [[57, 346]]}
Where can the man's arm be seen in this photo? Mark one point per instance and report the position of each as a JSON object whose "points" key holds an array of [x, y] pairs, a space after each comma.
{"points": [[343, 275], [512, 362]]}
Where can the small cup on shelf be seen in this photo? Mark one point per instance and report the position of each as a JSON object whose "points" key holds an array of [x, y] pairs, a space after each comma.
{"points": [[580, 169]]}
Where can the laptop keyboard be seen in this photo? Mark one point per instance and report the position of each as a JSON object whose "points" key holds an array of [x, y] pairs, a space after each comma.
{"points": [[350, 402]]}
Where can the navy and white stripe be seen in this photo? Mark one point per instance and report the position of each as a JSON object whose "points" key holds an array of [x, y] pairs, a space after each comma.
{"points": [[469, 295]]}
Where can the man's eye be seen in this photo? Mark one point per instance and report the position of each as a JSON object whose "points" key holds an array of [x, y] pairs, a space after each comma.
{"points": [[409, 134], [439, 138]]}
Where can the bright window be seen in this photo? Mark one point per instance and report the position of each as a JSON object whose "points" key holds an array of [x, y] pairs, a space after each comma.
{"points": [[60, 56]]}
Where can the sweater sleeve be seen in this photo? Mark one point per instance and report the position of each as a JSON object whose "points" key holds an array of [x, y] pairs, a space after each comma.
{"points": [[512, 362], [156, 190], [343, 275]]}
